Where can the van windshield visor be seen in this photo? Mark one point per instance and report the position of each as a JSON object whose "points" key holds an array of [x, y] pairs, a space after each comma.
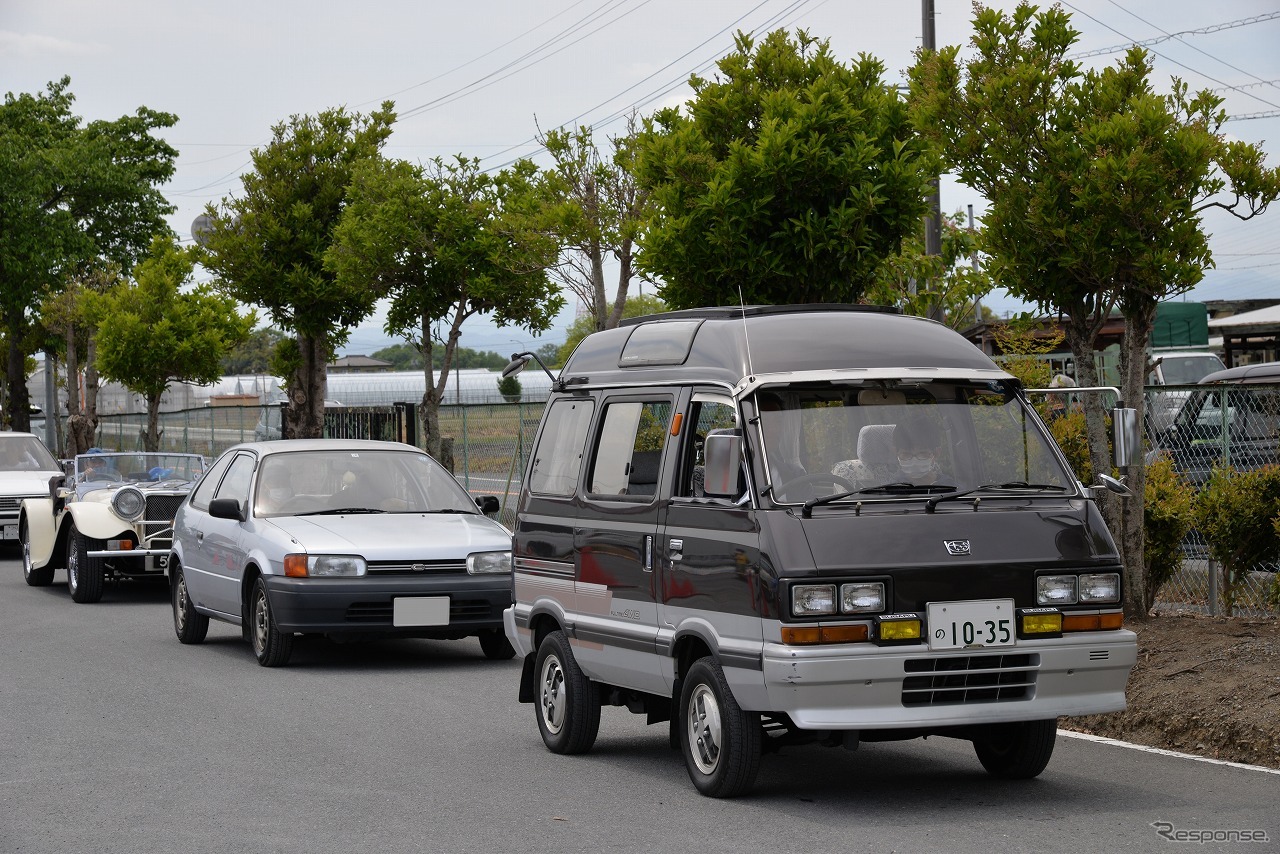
{"points": [[907, 439]]}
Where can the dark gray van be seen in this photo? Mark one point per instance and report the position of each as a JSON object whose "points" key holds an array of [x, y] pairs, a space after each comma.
{"points": [[785, 524]]}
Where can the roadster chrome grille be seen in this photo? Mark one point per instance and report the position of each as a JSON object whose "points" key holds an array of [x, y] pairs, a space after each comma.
{"points": [[158, 524], [969, 679]]}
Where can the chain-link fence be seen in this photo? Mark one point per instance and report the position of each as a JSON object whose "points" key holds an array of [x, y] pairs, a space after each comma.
{"points": [[491, 443]]}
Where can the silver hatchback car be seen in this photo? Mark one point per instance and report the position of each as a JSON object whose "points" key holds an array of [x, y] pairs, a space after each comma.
{"points": [[338, 537]]}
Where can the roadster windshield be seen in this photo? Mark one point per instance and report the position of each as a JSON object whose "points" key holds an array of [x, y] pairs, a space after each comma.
{"points": [[894, 439]]}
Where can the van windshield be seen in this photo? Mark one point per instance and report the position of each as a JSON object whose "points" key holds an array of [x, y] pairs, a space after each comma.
{"points": [[904, 438]]}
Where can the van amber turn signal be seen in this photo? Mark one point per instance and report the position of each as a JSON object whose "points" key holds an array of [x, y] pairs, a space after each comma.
{"points": [[804, 635]]}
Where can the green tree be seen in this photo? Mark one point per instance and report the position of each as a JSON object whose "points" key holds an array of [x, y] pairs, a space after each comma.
{"points": [[71, 195], [926, 285], [594, 208], [1095, 187], [253, 356], [267, 247], [581, 327], [1235, 512], [446, 242], [790, 176], [403, 357], [151, 332]]}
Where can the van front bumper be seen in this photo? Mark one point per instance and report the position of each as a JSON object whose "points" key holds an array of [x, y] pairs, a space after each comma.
{"points": [[862, 686]]}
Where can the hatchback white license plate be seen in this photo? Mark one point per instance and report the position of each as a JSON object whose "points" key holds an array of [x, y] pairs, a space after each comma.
{"points": [[978, 623], [420, 611]]}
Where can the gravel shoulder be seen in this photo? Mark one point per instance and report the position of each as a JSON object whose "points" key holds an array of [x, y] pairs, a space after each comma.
{"points": [[1203, 685]]}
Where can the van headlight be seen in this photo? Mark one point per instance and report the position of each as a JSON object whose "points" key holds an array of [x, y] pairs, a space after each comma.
{"points": [[488, 563], [864, 597], [812, 600], [1100, 587], [128, 503], [1055, 590]]}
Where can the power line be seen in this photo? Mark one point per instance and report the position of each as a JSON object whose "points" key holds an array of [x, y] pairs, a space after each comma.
{"points": [[1243, 22]]}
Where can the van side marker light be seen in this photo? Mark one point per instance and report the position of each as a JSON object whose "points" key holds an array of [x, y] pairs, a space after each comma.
{"points": [[675, 423]]}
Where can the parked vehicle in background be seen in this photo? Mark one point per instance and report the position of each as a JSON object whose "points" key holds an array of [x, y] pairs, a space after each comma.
{"points": [[1233, 419], [780, 525], [343, 537], [111, 518], [26, 471], [1175, 369]]}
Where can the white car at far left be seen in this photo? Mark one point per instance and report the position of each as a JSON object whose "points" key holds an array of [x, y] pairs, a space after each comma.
{"points": [[26, 471]]}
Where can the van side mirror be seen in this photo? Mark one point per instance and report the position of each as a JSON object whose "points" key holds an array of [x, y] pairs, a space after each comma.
{"points": [[1126, 436], [516, 365], [722, 454]]}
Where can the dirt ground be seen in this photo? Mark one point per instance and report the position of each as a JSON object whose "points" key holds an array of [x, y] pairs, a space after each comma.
{"points": [[1203, 685]]}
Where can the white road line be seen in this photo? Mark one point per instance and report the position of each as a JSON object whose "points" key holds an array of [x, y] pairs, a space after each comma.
{"points": [[1117, 743]]}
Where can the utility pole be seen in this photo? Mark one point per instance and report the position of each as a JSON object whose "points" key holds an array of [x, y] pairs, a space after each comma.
{"points": [[933, 222]]}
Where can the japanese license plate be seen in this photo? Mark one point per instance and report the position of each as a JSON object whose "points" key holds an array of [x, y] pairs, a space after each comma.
{"points": [[978, 623], [420, 611]]}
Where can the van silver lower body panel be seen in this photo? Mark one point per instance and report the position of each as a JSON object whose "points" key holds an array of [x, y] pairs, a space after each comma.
{"points": [[861, 686]]}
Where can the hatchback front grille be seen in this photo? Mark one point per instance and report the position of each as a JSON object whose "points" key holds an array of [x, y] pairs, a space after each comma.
{"points": [[425, 567], [380, 612], [969, 679]]}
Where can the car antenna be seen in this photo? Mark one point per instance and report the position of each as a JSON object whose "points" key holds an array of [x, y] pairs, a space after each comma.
{"points": [[746, 339]]}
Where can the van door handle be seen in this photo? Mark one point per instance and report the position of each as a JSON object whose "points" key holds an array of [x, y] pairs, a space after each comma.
{"points": [[648, 553], [676, 548]]}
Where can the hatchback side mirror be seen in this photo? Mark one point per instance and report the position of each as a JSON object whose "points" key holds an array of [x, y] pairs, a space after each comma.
{"points": [[226, 508], [488, 504]]}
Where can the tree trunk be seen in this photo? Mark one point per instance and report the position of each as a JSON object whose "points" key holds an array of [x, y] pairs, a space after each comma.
{"points": [[1139, 321], [151, 435], [600, 300], [624, 283], [308, 386], [429, 412], [16, 413]]}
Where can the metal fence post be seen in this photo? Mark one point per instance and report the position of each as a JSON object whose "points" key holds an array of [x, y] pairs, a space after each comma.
{"points": [[466, 469], [1213, 587]]}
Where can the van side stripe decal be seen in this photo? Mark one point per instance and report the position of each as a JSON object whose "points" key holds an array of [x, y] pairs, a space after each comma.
{"points": [[535, 566]]}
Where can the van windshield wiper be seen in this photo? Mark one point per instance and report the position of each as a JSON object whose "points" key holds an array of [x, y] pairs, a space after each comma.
{"points": [[897, 487], [988, 487]]}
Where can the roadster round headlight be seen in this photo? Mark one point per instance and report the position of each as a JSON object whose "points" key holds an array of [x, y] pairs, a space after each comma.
{"points": [[129, 503]]}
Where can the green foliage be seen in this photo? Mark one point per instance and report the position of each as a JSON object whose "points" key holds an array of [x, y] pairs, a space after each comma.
{"points": [[253, 356], [790, 175], [948, 282], [446, 242], [268, 246], [408, 357], [151, 332], [509, 388], [584, 325], [1235, 512], [1168, 513], [593, 206], [70, 195], [403, 357]]}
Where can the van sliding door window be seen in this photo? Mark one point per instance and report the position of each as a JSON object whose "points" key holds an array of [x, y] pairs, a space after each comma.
{"points": [[629, 453], [557, 460]]}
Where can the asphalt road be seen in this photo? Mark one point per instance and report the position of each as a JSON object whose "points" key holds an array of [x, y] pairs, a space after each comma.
{"points": [[116, 738]]}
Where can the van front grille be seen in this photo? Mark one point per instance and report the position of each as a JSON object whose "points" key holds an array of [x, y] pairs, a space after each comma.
{"points": [[969, 679]]}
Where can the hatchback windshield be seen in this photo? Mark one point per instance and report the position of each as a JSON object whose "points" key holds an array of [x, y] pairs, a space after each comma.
{"points": [[308, 482], [905, 437]]}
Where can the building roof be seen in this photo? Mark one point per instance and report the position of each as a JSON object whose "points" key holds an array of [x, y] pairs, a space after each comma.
{"points": [[1262, 317], [359, 361]]}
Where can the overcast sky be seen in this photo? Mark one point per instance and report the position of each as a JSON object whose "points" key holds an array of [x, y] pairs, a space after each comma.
{"points": [[478, 77]]}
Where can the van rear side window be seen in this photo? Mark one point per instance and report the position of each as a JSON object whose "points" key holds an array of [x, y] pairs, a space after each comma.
{"points": [[557, 460], [630, 449]]}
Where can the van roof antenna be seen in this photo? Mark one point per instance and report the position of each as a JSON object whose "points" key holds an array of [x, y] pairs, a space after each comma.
{"points": [[751, 371]]}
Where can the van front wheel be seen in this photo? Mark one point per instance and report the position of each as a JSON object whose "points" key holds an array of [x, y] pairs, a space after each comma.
{"points": [[721, 743], [567, 702], [1017, 751]]}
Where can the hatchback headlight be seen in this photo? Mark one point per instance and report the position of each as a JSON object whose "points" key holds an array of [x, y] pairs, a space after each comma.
{"points": [[324, 566], [810, 600], [488, 563], [128, 503], [1055, 590], [864, 597], [1100, 587]]}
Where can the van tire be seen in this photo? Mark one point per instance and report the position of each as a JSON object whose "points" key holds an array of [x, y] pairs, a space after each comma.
{"points": [[1016, 751], [720, 742], [566, 702]]}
